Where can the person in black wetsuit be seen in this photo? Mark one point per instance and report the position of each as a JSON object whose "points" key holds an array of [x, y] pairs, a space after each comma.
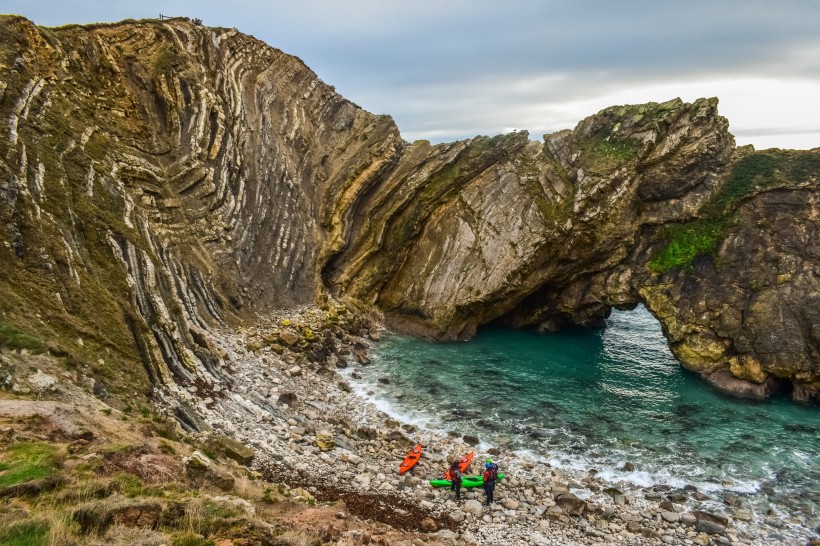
{"points": [[490, 476], [455, 479]]}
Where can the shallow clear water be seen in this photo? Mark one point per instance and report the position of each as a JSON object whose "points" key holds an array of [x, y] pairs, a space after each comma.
{"points": [[596, 399]]}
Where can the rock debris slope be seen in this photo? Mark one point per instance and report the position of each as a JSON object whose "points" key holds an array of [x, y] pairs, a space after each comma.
{"points": [[161, 178]]}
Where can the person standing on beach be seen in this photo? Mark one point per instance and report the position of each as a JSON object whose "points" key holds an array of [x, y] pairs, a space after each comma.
{"points": [[489, 477], [455, 479]]}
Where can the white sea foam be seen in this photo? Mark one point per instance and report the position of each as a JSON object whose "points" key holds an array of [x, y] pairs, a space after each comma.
{"points": [[363, 389], [583, 494]]}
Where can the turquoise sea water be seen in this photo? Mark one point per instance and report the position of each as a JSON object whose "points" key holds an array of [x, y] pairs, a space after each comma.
{"points": [[597, 399]]}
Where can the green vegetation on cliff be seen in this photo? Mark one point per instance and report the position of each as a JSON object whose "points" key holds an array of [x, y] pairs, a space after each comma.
{"points": [[762, 171], [602, 155], [686, 241], [14, 338], [752, 174]]}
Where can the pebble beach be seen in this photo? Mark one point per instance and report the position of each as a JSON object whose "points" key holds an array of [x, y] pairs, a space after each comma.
{"points": [[312, 431]]}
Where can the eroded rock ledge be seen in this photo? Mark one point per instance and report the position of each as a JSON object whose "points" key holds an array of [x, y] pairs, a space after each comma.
{"points": [[159, 178]]}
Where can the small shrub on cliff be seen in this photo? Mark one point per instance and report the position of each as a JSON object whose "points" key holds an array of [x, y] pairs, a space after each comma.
{"points": [[620, 150], [207, 516], [167, 61], [130, 485], [602, 155]]}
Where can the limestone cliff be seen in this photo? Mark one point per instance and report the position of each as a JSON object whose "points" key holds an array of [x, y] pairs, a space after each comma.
{"points": [[158, 178]]}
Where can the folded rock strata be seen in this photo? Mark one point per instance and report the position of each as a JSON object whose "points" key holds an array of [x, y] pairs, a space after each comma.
{"points": [[160, 178]]}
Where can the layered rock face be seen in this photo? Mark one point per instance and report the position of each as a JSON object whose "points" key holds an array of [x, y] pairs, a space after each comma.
{"points": [[159, 178]]}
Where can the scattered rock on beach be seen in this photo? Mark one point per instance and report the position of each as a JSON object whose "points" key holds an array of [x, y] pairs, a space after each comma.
{"points": [[473, 507], [325, 440], [571, 504], [321, 438]]}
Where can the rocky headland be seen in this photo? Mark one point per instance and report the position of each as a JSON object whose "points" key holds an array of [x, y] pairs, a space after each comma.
{"points": [[159, 178], [167, 188]]}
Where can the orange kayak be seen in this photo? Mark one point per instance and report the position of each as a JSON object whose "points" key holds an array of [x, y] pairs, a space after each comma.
{"points": [[463, 464], [411, 459]]}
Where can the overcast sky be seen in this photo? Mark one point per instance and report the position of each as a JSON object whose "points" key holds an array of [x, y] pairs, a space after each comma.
{"points": [[448, 69]]}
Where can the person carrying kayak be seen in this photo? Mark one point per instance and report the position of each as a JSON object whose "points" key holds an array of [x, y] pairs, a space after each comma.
{"points": [[489, 477], [455, 479]]}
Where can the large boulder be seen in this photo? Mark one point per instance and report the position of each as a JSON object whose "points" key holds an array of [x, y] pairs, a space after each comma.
{"points": [[197, 462], [473, 507], [726, 382], [289, 337], [511, 504], [571, 504], [713, 524], [232, 449]]}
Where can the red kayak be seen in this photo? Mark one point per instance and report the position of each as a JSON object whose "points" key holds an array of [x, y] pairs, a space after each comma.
{"points": [[411, 459], [463, 464]]}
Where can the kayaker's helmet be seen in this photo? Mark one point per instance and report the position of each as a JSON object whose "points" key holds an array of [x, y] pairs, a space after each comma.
{"points": [[488, 465], [488, 460]]}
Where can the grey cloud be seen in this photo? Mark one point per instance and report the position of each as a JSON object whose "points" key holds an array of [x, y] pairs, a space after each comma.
{"points": [[451, 67], [774, 131]]}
